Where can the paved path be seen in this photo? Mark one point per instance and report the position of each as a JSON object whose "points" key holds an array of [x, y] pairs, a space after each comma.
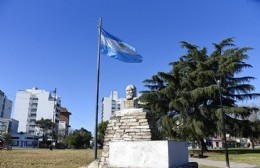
{"points": [[201, 161], [221, 163]]}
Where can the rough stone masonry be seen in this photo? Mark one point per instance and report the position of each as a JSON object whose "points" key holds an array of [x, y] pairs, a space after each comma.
{"points": [[128, 125]]}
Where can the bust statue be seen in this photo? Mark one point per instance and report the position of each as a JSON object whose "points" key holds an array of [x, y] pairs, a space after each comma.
{"points": [[130, 92], [131, 99]]}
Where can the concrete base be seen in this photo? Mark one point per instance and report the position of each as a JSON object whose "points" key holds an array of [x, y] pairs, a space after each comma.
{"points": [[163, 154]]}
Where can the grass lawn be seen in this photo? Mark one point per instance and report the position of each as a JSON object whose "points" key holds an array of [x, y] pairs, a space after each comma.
{"points": [[39, 158], [249, 158], [204, 166], [44, 158]]}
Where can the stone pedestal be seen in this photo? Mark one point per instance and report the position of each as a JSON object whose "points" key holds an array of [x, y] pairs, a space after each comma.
{"points": [[128, 125], [129, 104], [152, 154]]}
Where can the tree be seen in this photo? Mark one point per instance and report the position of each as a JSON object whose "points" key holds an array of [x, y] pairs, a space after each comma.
{"points": [[251, 129], [7, 138], [101, 132], [190, 89], [61, 134], [46, 127], [78, 139]]}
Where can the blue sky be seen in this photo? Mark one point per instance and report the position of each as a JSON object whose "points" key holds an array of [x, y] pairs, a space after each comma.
{"points": [[53, 43]]}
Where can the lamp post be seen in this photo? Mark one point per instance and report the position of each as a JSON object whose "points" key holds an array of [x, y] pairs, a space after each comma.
{"points": [[54, 118], [223, 124]]}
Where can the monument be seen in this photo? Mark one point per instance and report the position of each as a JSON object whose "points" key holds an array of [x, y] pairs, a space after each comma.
{"points": [[131, 99], [132, 140]]}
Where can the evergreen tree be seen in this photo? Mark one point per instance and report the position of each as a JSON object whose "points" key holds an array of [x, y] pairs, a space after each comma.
{"points": [[46, 127], [191, 90]]}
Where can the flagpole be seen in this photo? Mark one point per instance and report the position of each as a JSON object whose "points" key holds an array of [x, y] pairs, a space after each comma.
{"points": [[97, 96]]}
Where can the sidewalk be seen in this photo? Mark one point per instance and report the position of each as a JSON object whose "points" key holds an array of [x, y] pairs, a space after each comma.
{"points": [[222, 164]]}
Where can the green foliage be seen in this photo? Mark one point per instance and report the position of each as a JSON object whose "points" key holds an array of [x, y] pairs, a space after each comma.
{"points": [[7, 138], [79, 139], [168, 127], [101, 132], [46, 126], [191, 89]]}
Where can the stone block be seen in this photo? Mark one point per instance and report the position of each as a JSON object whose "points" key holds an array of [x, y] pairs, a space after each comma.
{"points": [[143, 123], [130, 120], [133, 124], [141, 117], [116, 127], [127, 112], [110, 124], [109, 128], [120, 130], [142, 120], [146, 130], [124, 127], [141, 127], [127, 117], [132, 130], [111, 131], [152, 154]]}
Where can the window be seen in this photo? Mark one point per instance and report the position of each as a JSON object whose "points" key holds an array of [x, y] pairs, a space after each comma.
{"points": [[15, 137], [35, 104], [33, 115], [29, 138], [34, 110]]}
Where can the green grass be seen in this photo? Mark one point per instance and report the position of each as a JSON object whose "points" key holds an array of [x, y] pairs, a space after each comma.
{"points": [[39, 158], [240, 155], [44, 158], [204, 166], [249, 158]]}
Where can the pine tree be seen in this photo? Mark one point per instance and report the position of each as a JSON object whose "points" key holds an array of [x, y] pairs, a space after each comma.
{"points": [[191, 90]]}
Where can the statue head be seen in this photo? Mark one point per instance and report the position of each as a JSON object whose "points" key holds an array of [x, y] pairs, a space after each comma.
{"points": [[130, 92]]}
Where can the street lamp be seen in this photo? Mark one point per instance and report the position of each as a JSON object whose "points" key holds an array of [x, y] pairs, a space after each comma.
{"points": [[223, 124], [53, 119]]}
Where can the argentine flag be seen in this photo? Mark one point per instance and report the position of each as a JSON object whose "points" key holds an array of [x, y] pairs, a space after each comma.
{"points": [[116, 48]]}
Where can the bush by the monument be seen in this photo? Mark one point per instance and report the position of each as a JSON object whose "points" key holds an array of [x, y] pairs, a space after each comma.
{"points": [[101, 132]]}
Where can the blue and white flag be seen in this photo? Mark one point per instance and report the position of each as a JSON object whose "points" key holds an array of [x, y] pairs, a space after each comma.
{"points": [[116, 48]]}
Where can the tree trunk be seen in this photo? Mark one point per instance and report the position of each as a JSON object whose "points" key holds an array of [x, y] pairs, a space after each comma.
{"points": [[203, 147], [252, 143]]}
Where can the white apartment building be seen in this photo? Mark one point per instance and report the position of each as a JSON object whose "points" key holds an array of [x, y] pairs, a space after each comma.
{"points": [[32, 105], [5, 106], [110, 105]]}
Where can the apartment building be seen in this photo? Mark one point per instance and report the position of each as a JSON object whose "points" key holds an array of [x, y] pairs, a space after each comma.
{"points": [[32, 105], [64, 122], [110, 105], [5, 106], [7, 125]]}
